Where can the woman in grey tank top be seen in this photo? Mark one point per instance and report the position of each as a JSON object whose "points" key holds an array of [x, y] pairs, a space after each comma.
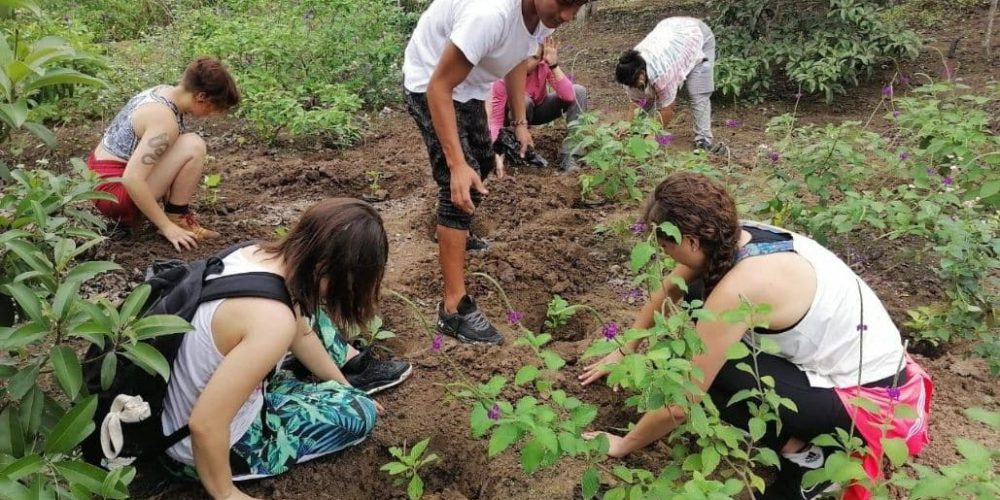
{"points": [[157, 160]]}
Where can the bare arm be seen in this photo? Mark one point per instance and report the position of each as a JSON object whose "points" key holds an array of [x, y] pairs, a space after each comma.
{"points": [[515, 82], [268, 329], [308, 349], [158, 132]]}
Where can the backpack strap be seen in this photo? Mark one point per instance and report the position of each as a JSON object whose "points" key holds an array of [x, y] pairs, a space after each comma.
{"points": [[256, 284]]}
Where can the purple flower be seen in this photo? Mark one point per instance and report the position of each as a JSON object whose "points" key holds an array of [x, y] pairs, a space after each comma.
{"points": [[494, 412], [887, 91], [904, 156], [774, 156], [896, 113], [946, 180], [861, 327], [642, 103], [893, 393], [610, 330], [664, 139], [931, 170], [733, 123], [437, 343], [904, 80], [514, 317], [639, 228]]}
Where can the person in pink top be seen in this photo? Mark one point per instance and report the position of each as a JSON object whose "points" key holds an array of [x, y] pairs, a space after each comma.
{"points": [[541, 106]]}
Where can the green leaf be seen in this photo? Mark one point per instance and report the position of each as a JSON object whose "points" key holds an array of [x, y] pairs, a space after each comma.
{"points": [[548, 438], [552, 360], [73, 427], [532, 455], [31, 255], [11, 433], [709, 460], [62, 76], [65, 297], [738, 350], [42, 133], [109, 366], [671, 230], [160, 324], [20, 384], [526, 374], [641, 255], [23, 467], [134, 302], [22, 4], [973, 452], [149, 359], [990, 418], [76, 472], [66, 367], [88, 270], [504, 436], [28, 301], [394, 468], [415, 490], [13, 490], [757, 428], [32, 406], [896, 450], [479, 421], [419, 448], [589, 483], [989, 188]]}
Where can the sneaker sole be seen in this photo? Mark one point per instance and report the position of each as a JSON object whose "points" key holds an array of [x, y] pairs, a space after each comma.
{"points": [[469, 340], [394, 383]]}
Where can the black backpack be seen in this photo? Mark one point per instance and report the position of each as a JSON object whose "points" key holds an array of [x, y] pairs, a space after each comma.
{"points": [[177, 288]]}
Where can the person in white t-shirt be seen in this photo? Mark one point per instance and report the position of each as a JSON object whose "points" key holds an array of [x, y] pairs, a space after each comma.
{"points": [[458, 49], [679, 51]]}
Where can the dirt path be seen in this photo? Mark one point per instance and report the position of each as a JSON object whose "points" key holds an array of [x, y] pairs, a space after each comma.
{"points": [[543, 242]]}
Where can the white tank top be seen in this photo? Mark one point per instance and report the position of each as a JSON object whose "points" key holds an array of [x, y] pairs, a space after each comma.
{"points": [[197, 360], [827, 343]]}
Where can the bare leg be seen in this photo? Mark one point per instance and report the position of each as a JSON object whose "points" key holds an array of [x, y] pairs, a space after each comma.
{"points": [[177, 175], [793, 445], [451, 248]]}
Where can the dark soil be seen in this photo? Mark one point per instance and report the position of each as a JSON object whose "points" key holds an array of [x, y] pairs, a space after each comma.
{"points": [[542, 243]]}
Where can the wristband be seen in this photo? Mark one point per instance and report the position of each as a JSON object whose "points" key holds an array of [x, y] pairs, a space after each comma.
{"points": [[518, 123]]}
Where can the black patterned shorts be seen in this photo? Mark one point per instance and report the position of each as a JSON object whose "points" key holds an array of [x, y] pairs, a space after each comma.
{"points": [[474, 136]]}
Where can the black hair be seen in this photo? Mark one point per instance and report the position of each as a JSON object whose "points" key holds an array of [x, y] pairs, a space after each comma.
{"points": [[629, 66]]}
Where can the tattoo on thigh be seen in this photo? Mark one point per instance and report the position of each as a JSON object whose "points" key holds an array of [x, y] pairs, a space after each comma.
{"points": [[159, 144]]}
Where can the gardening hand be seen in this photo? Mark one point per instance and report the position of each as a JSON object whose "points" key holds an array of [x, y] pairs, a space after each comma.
{"points": [[236, 494], [463, 180], [617, 446], [551, 49], [594, 372], [524, 137], [178, 237]]}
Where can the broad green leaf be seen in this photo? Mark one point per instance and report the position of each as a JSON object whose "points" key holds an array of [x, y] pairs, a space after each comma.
{"points": [[14, 114], [12, 490], [589, 483], [641, 254], [757, 428], [134, 302], [109, 366], [31, 256], [160, 324], [24, 335], [419, 448], [66, 367], [20, 384], [62, 76], [32, 405], [394, 468], [989, 188], [739, 350], [479, 421], [548, 438], [42, 133], [22, 4], [709, 460], [526, 374], [503, 436], [23, 467], [415, 489], [28, 301], [77, 472], [87, 270], [532, 455], [11, 433], [64, 299], [149, 359], [552, 360], [990, 418], [73, 427], [896, 450], [973, 452]]}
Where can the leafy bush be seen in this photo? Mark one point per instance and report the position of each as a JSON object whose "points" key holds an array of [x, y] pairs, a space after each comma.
{"points": [[822, 46]]}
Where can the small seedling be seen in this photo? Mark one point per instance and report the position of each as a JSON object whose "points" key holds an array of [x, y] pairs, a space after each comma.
{"points": [[376, 332], [375, 192], [281, 231], [211, 183], [407, 465]]}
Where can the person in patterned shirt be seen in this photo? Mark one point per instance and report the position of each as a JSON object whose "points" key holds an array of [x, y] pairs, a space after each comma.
{"points": [[679, 51]]}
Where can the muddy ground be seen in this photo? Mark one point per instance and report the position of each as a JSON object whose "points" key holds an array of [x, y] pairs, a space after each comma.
{"points": [[542, 242]]}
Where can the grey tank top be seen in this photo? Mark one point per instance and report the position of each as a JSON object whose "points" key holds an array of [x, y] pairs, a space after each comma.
{"points": [[120, 138]]}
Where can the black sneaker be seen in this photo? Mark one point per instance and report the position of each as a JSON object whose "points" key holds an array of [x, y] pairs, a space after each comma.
{"points": [[717, 149], [569, 163], [372, 375], [476, 244], [469, 324], [788, 484]]}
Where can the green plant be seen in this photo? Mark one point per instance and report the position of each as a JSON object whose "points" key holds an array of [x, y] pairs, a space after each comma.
{"points": [[407, 467], [29, 68], [211, 183], [617, 152], [375, 332]]}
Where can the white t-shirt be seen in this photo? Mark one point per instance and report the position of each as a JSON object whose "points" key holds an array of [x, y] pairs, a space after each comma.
{"points": [[671, 51], [491, 34]]}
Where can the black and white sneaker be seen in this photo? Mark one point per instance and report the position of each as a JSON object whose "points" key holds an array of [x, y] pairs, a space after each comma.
{"points": [[476, 244], [372, 375], [788, 484], [717, 149], [469, 324]]}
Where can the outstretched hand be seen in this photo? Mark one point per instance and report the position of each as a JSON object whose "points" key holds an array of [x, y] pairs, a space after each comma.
{"points": [[551, 49]]}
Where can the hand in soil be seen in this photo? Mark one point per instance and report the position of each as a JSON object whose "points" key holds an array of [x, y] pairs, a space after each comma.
{"points": [[179, 238], [524, 138], [616, 444], [501, 169], [236, 494], [593, 372], [463, 179]]}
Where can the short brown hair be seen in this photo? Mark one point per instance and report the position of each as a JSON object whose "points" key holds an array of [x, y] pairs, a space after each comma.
{"points": [[343, 241], [702, 208], [208, 76]]}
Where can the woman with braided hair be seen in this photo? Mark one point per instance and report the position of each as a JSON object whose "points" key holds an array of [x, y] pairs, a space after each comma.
{"points": [[835, 339]]}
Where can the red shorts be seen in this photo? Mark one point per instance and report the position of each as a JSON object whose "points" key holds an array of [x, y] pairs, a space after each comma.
{"points": [[122, 209]]}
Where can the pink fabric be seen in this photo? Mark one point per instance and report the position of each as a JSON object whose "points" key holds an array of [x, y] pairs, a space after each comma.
{"points": [[916, 393], [534, 87]]}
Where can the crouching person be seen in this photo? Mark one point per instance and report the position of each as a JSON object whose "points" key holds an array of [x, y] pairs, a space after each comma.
{"points": [[248, 420]]}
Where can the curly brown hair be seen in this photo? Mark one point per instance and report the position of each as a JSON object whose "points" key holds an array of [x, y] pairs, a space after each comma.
{"points": [[702, 208]]}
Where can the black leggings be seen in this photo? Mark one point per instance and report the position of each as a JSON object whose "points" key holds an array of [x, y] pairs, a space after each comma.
{"points": [[820, 410]]}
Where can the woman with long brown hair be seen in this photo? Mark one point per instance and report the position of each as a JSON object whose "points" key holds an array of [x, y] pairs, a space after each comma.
{"points": [[835, 338]]}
